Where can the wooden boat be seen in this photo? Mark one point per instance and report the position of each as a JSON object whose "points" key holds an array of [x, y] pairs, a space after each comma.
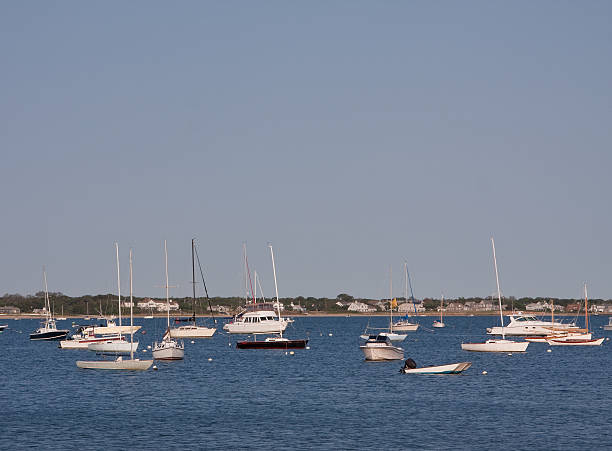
{"points": [[451, 368], [570, 340], [502, 345]]}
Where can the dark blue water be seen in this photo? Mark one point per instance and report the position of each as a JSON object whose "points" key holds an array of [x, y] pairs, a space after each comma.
{"points": [[326, 397]]}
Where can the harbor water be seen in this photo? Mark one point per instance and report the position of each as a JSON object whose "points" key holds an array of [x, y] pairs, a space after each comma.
{"points": [[325, 397]]}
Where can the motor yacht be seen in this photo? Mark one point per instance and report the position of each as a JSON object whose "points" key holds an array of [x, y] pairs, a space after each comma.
{"points": [[526, 325], [379, 347]]}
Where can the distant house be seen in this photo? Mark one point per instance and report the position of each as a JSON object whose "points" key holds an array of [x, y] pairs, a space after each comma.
{"points": [[299, 308], [408, 307], [220, 308], [160, 306], [360, 307], [9, 310], [536, 307], [572, 307], [454, 307]]}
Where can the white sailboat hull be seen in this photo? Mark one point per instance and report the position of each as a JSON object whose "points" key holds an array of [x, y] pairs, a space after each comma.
{"points": [[496, 346], [192, 332], [112, 330], [438, 324], [405, 327], [83, 343], [130, 365], [569, 341], [453, 368], [378, 353], [114, 346]]}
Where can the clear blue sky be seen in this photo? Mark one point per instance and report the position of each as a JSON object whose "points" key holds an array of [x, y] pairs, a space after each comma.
{"points": [[351, 135]]}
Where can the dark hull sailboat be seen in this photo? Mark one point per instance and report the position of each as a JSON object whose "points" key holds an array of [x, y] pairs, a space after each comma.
{"points": [[272, 344]]}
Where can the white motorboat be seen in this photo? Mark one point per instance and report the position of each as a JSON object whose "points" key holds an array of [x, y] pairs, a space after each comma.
{"points": [[168, 348], [48, 329], [118, 364], [528, 325], [260, 318], [451, 368], [502, 345], [379, 347], [391, 335], [194, 330], [3, 326]]}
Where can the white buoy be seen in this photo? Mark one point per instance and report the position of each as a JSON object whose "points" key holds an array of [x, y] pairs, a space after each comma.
{"points": [[608, 339], [149, 347], [155, 367], [307, 347], [144, 350], [291, 352], [509, 353], [484, 372], [192, 342], [210, 359], [330, 334], [549, 350]]}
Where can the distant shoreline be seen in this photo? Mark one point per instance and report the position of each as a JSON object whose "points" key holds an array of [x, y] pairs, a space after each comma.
{"points": [[301, 315]]}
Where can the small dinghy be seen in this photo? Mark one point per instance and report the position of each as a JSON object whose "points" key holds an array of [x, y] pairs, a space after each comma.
{"points": [[452, 368]]}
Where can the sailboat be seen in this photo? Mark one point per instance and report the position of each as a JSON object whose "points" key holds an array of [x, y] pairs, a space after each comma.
{"points": [[278, 342], [440, 323], [193, 330], [570, 340], [496, 345], [48, 329], [115, 343], [120, 364], [404, 325], [392, 303], [62, 318], [168, 348]]}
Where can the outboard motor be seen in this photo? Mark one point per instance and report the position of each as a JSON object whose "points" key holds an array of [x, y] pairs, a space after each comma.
{"points": [[409, 364]]}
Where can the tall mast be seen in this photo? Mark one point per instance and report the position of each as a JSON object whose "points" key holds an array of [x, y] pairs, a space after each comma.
{"points": [[131, 313], [255, 295], [118, 285], [167, 287], [406, 286], [276, 288], [391, 298], [441, 306], [501, 317], [193, 282], [586, 309], [47, 303]]}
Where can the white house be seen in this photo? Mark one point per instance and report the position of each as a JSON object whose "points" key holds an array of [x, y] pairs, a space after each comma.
{"points": [[360, 307]]}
